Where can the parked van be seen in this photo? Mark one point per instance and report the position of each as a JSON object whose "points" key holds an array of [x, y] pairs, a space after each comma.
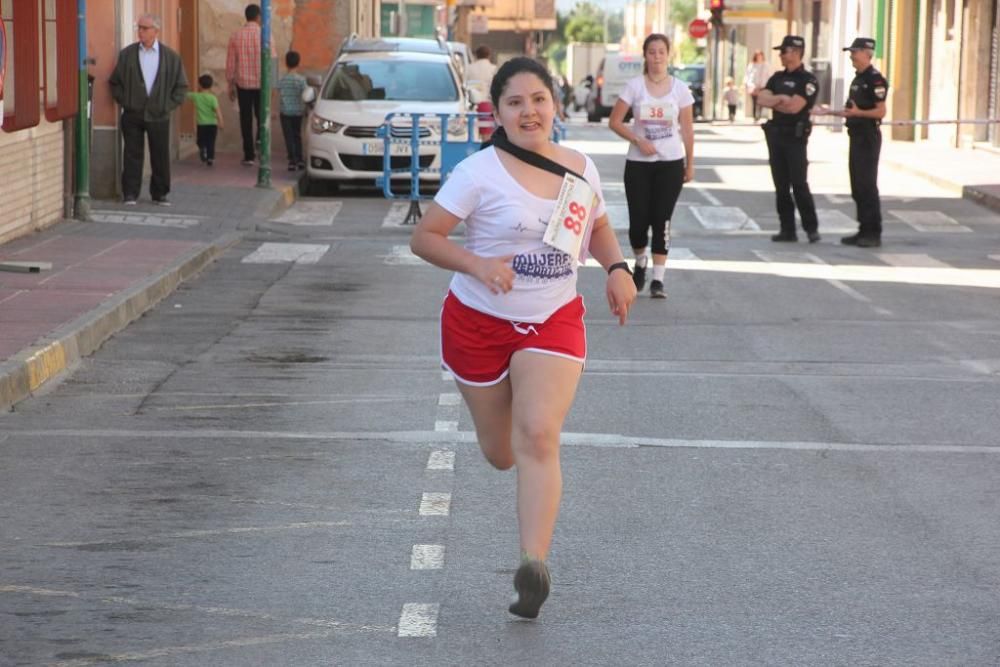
{"points": [[612, 74]]}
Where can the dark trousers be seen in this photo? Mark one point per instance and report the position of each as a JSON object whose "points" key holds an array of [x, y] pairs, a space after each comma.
{"points": [[732, 112], [248, 100], [756, 107], [789, 171], [206, 141], [651, 190], [291, 129], [135, 133], [862, 160]]}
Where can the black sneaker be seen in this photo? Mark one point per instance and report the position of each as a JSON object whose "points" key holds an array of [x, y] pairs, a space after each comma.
{"points": [[301, 165], [161, 201], [532, 583], [785, 238], [209, 162], [639, 277], [656, 290], [129, 201], [291, 166], [862, 241], [814, 237]]}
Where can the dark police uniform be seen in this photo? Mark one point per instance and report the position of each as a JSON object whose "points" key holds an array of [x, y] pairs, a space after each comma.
{"points": [[787, 138], [867, 89]]}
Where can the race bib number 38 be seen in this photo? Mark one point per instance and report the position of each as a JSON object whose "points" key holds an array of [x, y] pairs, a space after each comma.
{"points": [[567, 226], [658, 120]]}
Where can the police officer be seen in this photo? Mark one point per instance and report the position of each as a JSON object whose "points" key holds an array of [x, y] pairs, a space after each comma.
{"points": [[864, 110], [791, 94]]}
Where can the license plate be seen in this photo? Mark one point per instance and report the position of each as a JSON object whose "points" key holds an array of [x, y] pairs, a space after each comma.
{"points": [[378, 148]]}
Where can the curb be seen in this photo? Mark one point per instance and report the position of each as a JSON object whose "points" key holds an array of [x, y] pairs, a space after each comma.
{"points": [[982, 197], [24, 374], [286, 196]]}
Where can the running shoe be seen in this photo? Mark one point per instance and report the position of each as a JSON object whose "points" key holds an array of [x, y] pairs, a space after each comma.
{"points": [[532, 583], [656, 290], [814, 237], [784, 238], [639, 277]]}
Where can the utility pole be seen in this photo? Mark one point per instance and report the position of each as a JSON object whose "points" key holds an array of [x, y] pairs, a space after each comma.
{"points": [[81, 198], [264, 170]]}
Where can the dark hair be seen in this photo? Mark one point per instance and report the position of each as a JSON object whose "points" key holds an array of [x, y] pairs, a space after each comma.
{"points": [[206, 81], [292, 59], [251, 12], [653, 37], [514, 66], [483, 51]]}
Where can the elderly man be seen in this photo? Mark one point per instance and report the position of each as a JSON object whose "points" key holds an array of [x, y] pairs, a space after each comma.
{"points": [[148, 83], [863, 111]]}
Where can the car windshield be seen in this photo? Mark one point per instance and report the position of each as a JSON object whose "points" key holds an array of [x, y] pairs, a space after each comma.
{"points": [[400, 80], [689, 74]]}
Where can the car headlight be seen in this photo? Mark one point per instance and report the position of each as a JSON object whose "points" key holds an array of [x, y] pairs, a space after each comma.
{"points": [[320, 125]]}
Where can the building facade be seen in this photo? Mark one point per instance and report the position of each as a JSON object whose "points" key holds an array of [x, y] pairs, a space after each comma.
{"points": [[40, 76]]}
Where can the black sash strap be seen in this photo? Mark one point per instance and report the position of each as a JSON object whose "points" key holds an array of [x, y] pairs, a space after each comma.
{"points": [[500, 140]]}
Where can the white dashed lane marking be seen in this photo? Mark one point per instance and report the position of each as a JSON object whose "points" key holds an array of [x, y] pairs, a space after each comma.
{"points": [[444, 425], [281, 253], [418, 620], [427, 557], [435, 504], [449, 399], [441, 459]]}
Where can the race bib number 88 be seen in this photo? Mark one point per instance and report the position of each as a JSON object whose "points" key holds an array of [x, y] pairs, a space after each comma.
{"points": [[566, 227]]}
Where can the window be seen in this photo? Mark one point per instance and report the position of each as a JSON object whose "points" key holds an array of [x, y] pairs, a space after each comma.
{"points": [[391, 80], [20, 91], [59, 39]]}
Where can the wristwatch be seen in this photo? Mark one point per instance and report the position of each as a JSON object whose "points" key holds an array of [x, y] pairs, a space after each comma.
{"points": [[620, 265]]}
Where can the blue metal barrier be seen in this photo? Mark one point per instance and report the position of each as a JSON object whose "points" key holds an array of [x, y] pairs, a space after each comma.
{"points": [[456, 143]]}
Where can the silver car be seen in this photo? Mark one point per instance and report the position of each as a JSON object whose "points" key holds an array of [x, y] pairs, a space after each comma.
{"points": [[353, 100]]}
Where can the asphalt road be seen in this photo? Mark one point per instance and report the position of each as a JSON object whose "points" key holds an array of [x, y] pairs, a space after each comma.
{"points": [[793, 460]]}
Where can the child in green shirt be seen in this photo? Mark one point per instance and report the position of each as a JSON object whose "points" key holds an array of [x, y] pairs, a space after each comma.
{"points": [[208, 116]]}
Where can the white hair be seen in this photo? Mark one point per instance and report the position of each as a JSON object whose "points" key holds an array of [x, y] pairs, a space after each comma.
{"points": [[154, 19]]}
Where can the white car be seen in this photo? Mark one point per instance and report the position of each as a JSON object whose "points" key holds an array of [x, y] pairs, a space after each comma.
{"points": [[353, 100]]}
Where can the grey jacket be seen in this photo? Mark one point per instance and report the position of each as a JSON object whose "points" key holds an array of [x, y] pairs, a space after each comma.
{"points": [[128, 88]]}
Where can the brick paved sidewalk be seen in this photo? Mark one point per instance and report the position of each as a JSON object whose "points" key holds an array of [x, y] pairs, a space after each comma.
{"points": [[105, 273]]}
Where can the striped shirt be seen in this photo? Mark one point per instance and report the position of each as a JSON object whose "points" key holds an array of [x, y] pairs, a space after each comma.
{"points": [[243, 58], [290, 94]]}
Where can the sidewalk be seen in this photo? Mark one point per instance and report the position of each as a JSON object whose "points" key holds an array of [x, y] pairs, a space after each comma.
{"points": [[108, 272], [972, 173]]}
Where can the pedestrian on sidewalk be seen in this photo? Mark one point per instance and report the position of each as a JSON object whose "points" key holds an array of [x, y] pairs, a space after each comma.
{"points": [[148, 83], [243, 76], [512, 330], [660, 156], [791, 93], [292, 108], [732, 98], [864, 110], [208, 117], [755, 79]]}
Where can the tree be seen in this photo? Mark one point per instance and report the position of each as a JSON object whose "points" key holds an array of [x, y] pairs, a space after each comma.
{"points": [[682, 12], [585, 28]]}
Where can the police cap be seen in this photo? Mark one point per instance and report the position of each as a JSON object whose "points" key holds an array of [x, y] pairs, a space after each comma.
{"points": [[793, 41], [861, 43]]}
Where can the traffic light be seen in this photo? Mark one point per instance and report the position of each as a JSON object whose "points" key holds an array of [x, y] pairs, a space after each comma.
{"points": [[717, 7]]}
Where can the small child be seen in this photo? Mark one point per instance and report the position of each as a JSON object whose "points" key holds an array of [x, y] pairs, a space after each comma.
{"points": [[732, 97], [292, 108], [208, 116]]}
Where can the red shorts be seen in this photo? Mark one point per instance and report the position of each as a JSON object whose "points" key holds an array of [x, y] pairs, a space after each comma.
{"points": [[477, 348]]}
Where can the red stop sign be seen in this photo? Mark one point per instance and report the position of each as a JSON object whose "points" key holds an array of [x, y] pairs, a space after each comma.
{"points": [[698, 28]]}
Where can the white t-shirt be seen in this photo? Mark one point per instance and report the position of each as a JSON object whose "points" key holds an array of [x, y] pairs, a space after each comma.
{"points": [[657, 118], [503, 218], [478, 76]]}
